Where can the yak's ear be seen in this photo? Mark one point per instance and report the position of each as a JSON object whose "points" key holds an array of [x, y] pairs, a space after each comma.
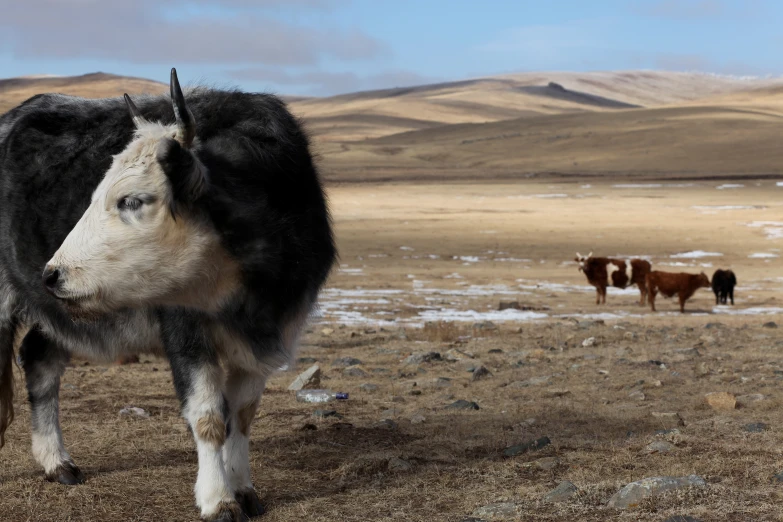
{"points": [[188, 176]]}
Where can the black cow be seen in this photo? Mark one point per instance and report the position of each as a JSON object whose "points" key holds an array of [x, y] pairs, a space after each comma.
{"points": [[199, 229], [723, 283]]}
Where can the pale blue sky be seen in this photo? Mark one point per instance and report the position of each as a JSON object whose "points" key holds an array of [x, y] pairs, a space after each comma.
{"points": [[333, 46]]}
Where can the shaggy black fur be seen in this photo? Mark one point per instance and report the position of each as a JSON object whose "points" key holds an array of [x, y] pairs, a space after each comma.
{"points": [[723, 283]]}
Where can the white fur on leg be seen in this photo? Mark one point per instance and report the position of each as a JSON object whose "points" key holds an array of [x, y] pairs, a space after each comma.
{"points": [[236, 457], [212, 487], [48, 449], [243, 392]]}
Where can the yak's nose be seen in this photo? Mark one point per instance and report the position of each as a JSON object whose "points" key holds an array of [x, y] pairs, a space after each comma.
{"points": [[51, 278]]}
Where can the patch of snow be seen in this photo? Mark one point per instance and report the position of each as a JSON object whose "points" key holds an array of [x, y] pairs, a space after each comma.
{"points": [[711, 208], [772, 229], [729, 186], [757, 310], [450, 314], [762, 255], [406, 248], [695, 254]]}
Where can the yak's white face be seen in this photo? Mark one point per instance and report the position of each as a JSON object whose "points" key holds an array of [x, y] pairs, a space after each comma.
{"points": [[129, 250], [581, 260]]}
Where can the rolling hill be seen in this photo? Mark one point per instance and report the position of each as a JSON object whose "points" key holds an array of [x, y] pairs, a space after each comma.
{"points": [[634, 123]]}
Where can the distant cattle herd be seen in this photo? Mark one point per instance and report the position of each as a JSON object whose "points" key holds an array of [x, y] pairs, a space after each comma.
{"points": [[602, 272]]}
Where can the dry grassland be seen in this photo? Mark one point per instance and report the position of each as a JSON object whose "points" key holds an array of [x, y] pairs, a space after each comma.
{"points": [[514, 244]]}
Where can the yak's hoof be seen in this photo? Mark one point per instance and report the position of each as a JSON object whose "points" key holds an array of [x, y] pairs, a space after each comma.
{"points": [[67, 473], [250, 503], [228, 512]]}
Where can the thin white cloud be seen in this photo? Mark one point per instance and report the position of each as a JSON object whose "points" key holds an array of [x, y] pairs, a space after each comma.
{"points": [[146, 32]]}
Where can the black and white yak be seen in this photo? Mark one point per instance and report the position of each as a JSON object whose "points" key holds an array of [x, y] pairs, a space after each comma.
{"points": [[197, 229]]}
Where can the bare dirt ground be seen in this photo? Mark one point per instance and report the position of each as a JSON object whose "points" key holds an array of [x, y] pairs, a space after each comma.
{"points": [[423, 269]]}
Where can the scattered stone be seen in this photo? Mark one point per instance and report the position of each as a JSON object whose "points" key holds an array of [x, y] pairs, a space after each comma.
{"points": [[306, 360], [561, 392], [473, 519], [309, 379], [636, 395], [682, 518], [533, 381], [389, 414], [422, 357], [629, 336], [590, 341], [632, 494], [438, 382], [418, 419], [485, 325], [368, 387], [508, 305], [672, 431], [386, 424], [756, 427], [309, 426], [770, 324], [659, 446], [513, 451], [327, 331], [603, 372], [590, 357], [710, 326], [495, 350], [354, 371], [69, 386], [501, 509], [398, 464], [750, 400], [135, 412], [545, 464], [325, 414], [673, 418], [453, 355], [721, 401], [584, 325], [480, 373], [463, 405], [415, 392], [344, 362], [702, 370], [562, 492]]}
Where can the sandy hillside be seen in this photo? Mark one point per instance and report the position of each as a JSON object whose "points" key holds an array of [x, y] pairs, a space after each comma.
{"points": [[97, 85]]}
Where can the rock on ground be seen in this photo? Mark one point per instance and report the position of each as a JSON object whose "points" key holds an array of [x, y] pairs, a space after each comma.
{"points": [[532, 445], [635, 492], [310, 379], [499, 510], [721, 401], [561, 493], [344, 362]]}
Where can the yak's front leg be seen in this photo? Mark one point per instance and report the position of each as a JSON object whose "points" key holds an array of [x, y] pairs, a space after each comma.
{"points": [[43, 363], [198, 379], [243, 391]]}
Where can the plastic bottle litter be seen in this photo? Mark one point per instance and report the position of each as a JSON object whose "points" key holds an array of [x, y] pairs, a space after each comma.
{"points": [[320, 396]]}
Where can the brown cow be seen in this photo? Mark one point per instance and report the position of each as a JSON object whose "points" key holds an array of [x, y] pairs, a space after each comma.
{"points": [[604, 271], [682, 284]]}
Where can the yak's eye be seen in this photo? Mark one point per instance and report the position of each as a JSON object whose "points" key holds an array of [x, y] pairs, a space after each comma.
{"points": [[129, 203]]}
